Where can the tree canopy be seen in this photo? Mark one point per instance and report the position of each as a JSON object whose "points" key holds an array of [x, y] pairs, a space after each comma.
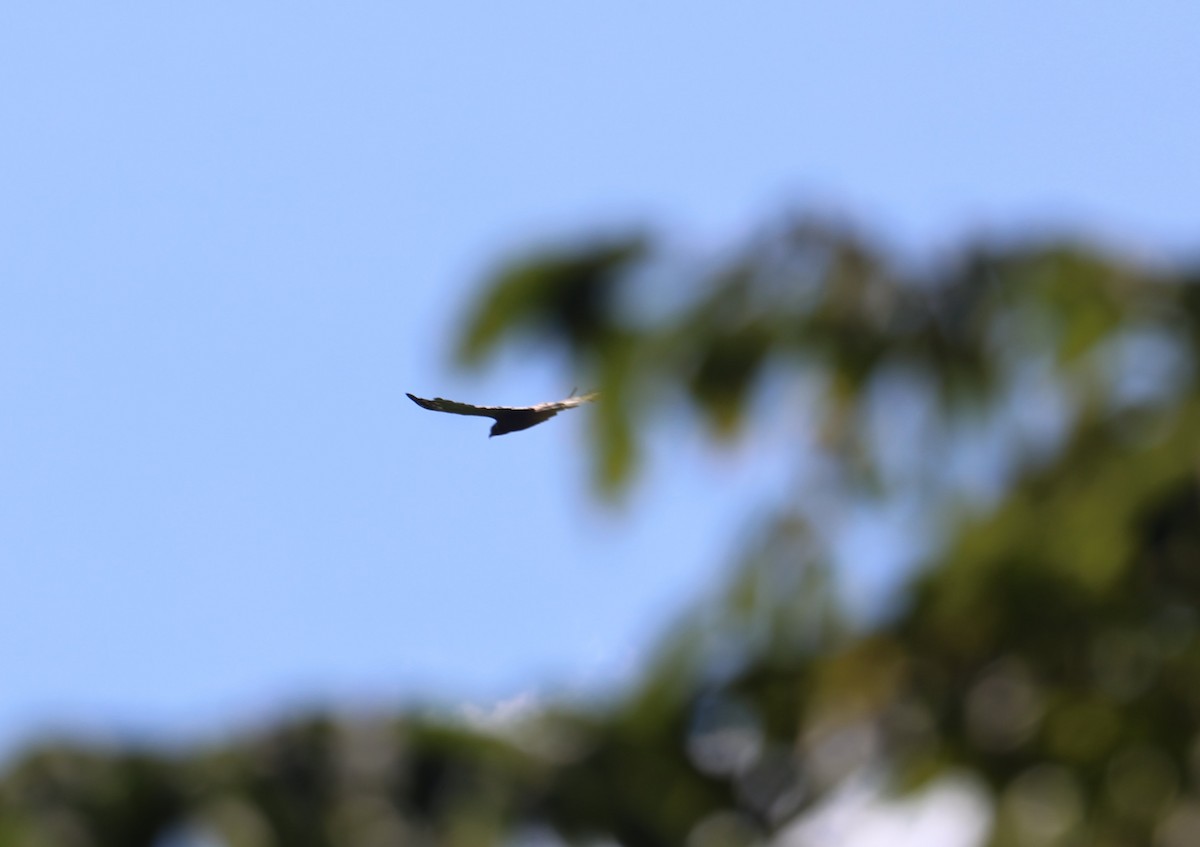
{"points": [[1033, 409]]}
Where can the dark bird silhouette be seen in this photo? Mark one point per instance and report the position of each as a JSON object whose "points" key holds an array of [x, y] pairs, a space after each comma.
{"points": [[508, 418]]}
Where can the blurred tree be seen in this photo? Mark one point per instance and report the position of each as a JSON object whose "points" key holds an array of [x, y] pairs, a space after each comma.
{"points": [[1033, 411]]}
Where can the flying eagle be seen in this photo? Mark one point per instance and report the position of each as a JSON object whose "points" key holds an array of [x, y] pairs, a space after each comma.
{"points": [[508, 418]]}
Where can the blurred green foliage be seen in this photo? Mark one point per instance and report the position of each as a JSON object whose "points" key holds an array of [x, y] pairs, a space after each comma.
{"points": [[1046, 648]]}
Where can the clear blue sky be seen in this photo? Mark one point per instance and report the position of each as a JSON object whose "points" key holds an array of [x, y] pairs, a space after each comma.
{"points": [[233, 235]]}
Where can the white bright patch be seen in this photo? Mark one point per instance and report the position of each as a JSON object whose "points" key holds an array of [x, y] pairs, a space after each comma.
{"points": [[952, 812], [503, 714]]}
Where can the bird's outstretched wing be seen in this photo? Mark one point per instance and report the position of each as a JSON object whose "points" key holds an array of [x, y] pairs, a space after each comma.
{"points": [[440, 404], [508, 418], [559, 405]]}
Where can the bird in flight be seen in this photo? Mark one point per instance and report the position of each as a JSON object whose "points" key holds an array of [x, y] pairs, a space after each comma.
{"points": [[508, 418]]}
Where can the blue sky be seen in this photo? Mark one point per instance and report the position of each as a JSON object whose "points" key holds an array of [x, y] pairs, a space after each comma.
{"points": [[233, 235]]}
